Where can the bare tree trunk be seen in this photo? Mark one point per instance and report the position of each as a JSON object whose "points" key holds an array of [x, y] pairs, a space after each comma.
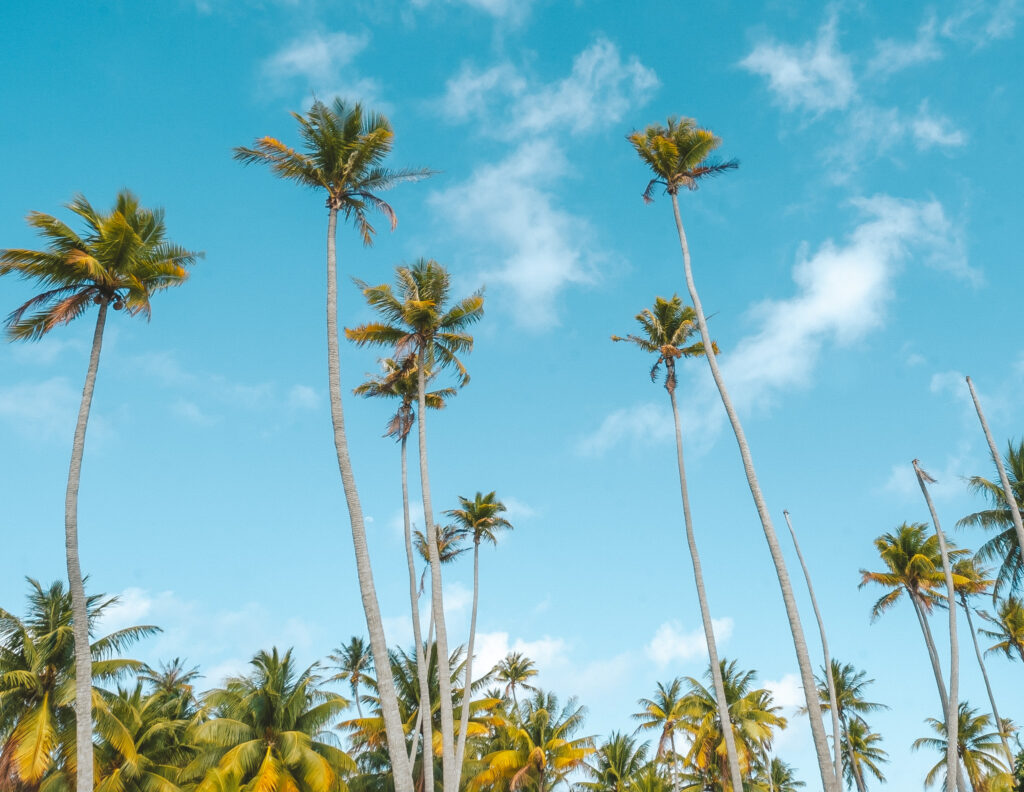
{"points": [[385, 683], [953, 706], [828, 776], [837, 748], [449, 772], [702, 599], [988, 685], [76, 586], [467, 684], [428, 736], [933, 654], [1011, 501], [422, 671]]}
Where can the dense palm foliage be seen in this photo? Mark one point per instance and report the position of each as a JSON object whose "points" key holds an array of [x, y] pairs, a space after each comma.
{"points": [[978, 749]]}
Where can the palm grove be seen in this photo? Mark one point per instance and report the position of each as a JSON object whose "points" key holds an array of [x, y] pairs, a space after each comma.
{"points": [[377, 717]]}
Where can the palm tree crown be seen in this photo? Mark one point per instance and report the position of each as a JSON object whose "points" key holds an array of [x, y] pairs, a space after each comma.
{"points": [[678, 154], [480, 517], [399, 381]]}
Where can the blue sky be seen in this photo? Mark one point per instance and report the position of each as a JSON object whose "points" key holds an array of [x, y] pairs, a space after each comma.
{"points": [[859, 262]]}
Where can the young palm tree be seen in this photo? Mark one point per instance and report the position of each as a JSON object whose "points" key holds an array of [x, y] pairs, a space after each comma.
{"points": [[121, 260], [344, 148], [514, 670], [665, 714], [1003, 547], [923, 479], [1008, 494], [777, 776], [419, 322], [829, 681], [678, 155], [860, 746], [481, 519], [665, 331], [354, 662], [976, 747], [1009, 632], [616, 764]]}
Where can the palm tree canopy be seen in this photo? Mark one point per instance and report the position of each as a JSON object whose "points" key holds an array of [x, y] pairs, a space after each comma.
{"points": [[1009, 628], [979, 748], [514, 670], [480, 517], [850, 684], [354, 662], [859, 740], [616, 764], [122, 257], [677, 154], [400, 381], [343, 151]]}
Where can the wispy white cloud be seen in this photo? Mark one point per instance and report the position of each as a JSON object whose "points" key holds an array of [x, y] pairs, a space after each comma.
{"points": [[512, 11], [894, 55], [642, 424], [46, 408], [787, 692], [303, 397], [191, 412], [983, 21], [321, 64], [930, 130], [671, 643], [549, 653]]}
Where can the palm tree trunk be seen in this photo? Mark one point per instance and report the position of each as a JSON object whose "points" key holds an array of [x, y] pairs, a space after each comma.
{"points": [[79, 604], [858, 778], [467, 684], [828, 779], [449, 772], [988, 685], [675, 759], [702, 599], [837, 748], [1011, 501], [374, 625], [953, 706], [422, 671]]}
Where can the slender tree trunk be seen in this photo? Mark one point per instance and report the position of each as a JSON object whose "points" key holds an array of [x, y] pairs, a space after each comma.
{"points": [[952, 707], [858, 779], [828, 779], [837, 748], [79, 605], [675, 759], [988, 685], [467, 684], [450, 773], [355, 695], [1011, 501], [422, 670], [702, 599], [385, 683], [429, 736]]}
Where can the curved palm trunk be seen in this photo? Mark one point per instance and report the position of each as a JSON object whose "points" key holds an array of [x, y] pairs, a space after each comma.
{"points": [[858, 777], [385, 683], [675, 760], [467, 684], [422, 670], [837, 748], [705, 610], [1011, 501], [988, 685], [952, 706], [828, 776], [79, 607], [449, 772]]}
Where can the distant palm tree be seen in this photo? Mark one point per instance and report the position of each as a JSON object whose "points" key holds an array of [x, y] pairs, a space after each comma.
{"points": [[344, 151], [679, 154], [664, 713], [514, 670], [616, 764], [860, 746], [480, 519], [354, 662], [1009, 632], [123, 257], [977, 748], [777, 776]]}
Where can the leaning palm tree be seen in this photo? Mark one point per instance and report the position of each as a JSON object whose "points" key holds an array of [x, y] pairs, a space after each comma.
{"points": [[479, 518], [864, 755], [678, 155], [923, 479], [418, 321], [1009, 628], [664, 714], [665, 331], [121, 259], [976, 747], [354, 662], [344, 150], [514, 670]]}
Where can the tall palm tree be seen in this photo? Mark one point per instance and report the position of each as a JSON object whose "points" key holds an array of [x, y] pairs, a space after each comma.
{"points": [[172, 685], [977, 583], [665, 330], [976, 747], [923, 479], [354, 662], [616, 764], [860, 746], [678, 155], [514, 670], [1003, 547], [1008, 493], [269, 730], [479, 518], [418, 321], [664, 713], [344, 150], [38, 727], [1009, 623], [120, 260], [829, 681]]}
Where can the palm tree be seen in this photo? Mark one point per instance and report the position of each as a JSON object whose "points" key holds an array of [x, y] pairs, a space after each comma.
{"points": [[1003, 547], [860, 745], [344, 151], [976, 747], [618, 763], [665, 331], [777, 776], [1009, 632], [419, 322], [514, 669], [649, 779], [480, 518], [38, 693], [677, 154], [171, 684], [664, 713], [269, 731], [354, 662], [121, 260], [1009, 499]]}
